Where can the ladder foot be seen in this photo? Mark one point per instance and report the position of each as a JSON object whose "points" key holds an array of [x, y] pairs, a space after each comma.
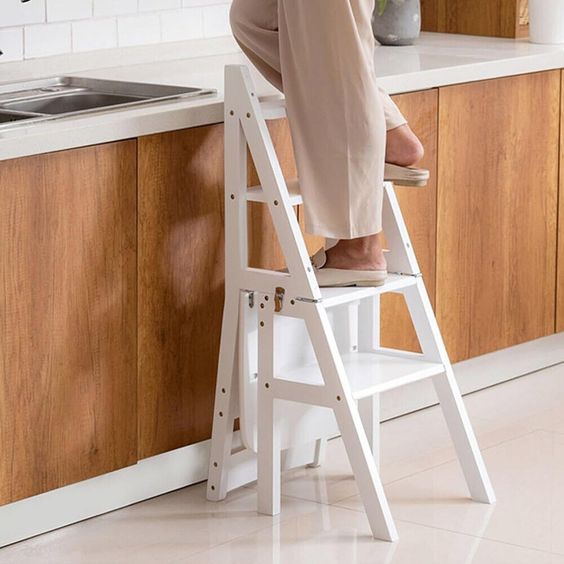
{"points": [[319, 454]]}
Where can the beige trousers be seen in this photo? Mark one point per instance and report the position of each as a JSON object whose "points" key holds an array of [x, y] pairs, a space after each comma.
{"points": [[320, 53]]}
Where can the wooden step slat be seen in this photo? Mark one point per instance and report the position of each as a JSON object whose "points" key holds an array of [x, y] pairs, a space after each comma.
{"points": [[337, 296], [273, 109], [371, 373], [256, 193]]}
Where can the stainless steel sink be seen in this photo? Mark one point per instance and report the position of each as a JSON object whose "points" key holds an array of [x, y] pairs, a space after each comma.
{"points": [[58, 97], [71, 103], [10, 117]]}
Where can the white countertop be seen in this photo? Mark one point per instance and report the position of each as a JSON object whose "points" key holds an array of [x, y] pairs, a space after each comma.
{"points": [[437, 59]]}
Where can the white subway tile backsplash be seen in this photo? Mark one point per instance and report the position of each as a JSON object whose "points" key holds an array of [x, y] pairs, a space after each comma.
{"points": [[139, 30], [114, 8], [216, 20], [47, 39], [89, 35], [179, 25], [11, 44], [14, 13], [152, 5], [64, 10], [40, 28], [192, 3]]}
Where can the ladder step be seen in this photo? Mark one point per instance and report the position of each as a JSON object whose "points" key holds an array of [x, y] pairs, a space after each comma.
{"points": [[371, 373], [256, 193], [394, 283], [273, 109]]}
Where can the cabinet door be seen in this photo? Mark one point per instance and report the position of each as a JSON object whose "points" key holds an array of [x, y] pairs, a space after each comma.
{"points": [[181, 274], [560, 278], [497, 200], [181, 277], [67, 315]]}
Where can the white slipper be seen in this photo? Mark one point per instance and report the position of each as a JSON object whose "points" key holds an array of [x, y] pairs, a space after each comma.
{"points": [[338, 277], [406, 175]]}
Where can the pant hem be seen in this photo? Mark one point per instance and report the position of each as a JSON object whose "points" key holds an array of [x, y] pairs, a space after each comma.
{"points": [[323, 231]]}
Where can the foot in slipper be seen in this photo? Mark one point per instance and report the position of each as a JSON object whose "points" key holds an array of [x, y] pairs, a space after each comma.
{"points": [[338, 277]]}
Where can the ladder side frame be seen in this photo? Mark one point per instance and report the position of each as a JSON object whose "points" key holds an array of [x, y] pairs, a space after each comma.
{"points": [[300, 281]]}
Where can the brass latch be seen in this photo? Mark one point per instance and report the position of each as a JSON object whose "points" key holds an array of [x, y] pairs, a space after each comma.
{"points": [[279, 299]]}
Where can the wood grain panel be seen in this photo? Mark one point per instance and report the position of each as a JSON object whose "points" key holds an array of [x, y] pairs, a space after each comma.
{"points": [[419, 209], [181, 274], [499, 18], [497, 200], [68, 317], [560, 278]]}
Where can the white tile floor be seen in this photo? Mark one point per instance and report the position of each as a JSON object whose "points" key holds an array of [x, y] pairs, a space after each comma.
{"points": [[520, 427]]}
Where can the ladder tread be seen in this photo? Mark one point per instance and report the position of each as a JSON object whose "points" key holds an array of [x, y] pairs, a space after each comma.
{"points": [[273, 108], [370, 373], [256, 193], [337, 296]]}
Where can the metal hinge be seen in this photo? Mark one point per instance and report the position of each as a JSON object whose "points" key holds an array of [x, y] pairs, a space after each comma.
{"points": [[416, 275], [309, 300], [279, 299]]}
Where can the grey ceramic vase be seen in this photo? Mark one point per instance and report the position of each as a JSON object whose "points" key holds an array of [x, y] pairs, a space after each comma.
{"points": [[400, 24]]}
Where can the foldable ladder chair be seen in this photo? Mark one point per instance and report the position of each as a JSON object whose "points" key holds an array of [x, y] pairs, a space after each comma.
{"points": [[299, 364]]}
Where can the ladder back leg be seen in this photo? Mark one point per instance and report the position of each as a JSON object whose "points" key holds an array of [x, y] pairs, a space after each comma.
{"points": [[268, 482], [225, 401], [319, 453]]}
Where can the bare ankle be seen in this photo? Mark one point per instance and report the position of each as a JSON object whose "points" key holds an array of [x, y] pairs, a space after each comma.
{"points": [[363, 253]]}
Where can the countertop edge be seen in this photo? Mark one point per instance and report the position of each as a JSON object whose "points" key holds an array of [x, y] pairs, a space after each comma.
{"points": [[119, 125]]}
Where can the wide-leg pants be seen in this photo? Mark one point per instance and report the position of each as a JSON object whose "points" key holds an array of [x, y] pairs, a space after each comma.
{"points": [[320, 53]]}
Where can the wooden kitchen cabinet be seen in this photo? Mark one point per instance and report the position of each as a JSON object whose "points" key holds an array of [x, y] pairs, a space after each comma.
{"points": [[67, 314], [181, 276], [112, 271], [560, 274], [497, 203]]}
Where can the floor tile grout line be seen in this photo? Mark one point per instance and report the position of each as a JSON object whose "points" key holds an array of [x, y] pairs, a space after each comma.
{"points": [[434, 467], [411, 475], [551, 431], [489, 539]]}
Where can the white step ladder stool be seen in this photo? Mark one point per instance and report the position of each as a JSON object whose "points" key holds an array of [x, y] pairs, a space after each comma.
{"points": [[299, 364]]}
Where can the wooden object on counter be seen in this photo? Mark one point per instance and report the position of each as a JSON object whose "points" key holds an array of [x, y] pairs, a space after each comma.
{"points": [[68, 348], [497, 203], [496, 18]]}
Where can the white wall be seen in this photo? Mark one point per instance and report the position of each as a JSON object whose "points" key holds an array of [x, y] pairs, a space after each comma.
{"points": [[40, 28]]}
